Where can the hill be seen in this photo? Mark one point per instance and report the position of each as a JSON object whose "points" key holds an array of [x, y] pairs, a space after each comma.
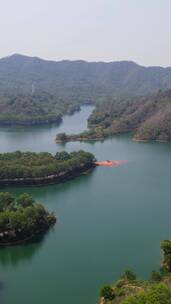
{"points": [[80, 80], [148, 118], [36, 91], [33, 109]]}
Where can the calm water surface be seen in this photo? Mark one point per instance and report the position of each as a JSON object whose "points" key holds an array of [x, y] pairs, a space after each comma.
{"points": [[110, 220]]}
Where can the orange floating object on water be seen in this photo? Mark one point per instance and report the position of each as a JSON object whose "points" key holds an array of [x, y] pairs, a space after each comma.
{"points": [[111, 163]]}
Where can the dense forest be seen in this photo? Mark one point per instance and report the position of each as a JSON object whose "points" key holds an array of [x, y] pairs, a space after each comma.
{"points": [[29, 167], [32, 109], [68, 84], [130, 290], [21, 218], [148, 118]]}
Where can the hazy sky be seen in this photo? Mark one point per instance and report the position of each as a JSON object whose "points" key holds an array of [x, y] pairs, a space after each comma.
{"points": [[107, 30]]}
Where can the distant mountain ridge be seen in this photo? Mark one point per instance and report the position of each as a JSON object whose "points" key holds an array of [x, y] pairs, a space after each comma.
{"points": [[81, 80]]}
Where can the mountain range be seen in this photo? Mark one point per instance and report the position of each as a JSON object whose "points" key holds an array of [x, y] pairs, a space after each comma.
{"points": [[81, 80]]}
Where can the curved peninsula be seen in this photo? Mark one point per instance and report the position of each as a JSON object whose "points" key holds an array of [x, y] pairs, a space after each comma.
{"points": [[22, 219], [129, 290], [34, 109], [29, 168]]}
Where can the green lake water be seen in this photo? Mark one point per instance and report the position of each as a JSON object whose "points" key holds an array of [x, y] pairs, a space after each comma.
{"points": [[109, 220]]}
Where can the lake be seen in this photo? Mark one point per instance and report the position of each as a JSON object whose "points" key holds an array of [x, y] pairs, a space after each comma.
{"points": [[109, 220]]}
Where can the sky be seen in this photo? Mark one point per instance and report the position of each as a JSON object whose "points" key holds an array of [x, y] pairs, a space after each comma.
{"points": [[92, 30]]}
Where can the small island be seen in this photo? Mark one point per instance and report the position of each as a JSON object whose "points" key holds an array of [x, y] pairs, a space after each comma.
{"points": [[130, 290], [29, 168], [90, 135], [22, 219]]}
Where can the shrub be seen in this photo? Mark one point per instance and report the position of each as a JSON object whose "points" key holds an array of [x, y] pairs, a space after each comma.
{"points": [[129, 275], [107, 292], [156, 276]]}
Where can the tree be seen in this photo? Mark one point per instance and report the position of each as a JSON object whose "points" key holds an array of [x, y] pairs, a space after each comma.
{"points": [[61, 136], [166, 247], [107, 292], [156, 276], [129, 275], [62, 156], [25, 200], [6, 200]]}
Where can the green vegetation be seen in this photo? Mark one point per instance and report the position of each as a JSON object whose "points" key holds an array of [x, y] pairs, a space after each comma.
{"points": [[148, 118], [67, 85], [107, 292], [80, 80], [27, 109], [30, 167], [156, 276], [129, 290], [21, 218], [129, 275], [166, 247], [155, 294], [126, 291], [90, 135]]}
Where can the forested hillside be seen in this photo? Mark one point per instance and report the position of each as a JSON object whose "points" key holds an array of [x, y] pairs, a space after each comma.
{"points": [[35, 91], [148, 118], [31, 109], [81, 80]]}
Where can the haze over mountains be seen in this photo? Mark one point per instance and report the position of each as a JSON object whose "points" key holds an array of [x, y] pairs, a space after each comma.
{"points": [[36, 91], [80, 79]]}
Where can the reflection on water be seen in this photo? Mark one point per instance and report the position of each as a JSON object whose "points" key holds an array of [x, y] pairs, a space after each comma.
{"points": [[109, 220], [14, 255], [42, 138]]}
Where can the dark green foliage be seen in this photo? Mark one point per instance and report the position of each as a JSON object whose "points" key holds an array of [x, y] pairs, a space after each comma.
{"points": [[156, 276], [25, 218], [25, 200], [62, 137], [166, 247], [62, 156], [107, 292], [129, 275], [6, 201], [34, 165]]}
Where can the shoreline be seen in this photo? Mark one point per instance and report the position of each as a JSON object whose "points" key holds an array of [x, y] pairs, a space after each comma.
{"points": [[31, 122], [28, 238], [74, 138], [48, 180]]}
